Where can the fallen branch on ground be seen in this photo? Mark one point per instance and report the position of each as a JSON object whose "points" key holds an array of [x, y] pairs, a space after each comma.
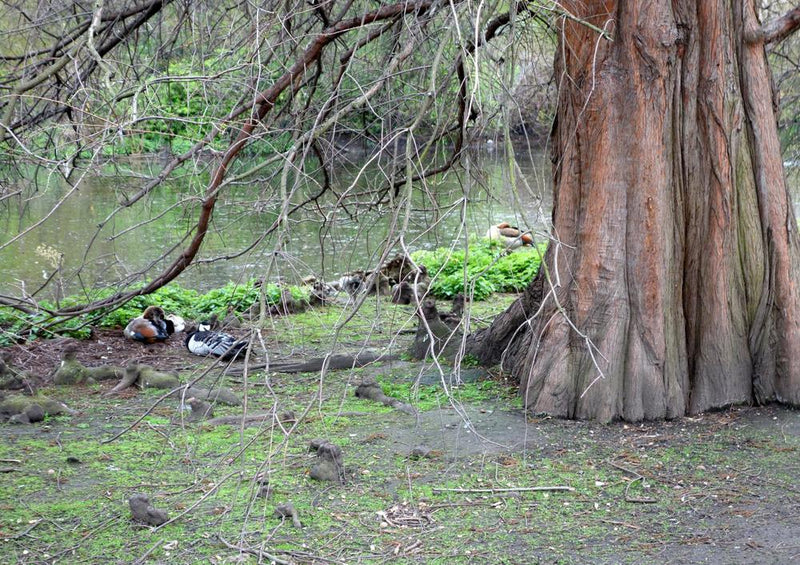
{"points": [[332, 363], [509, 489], [636, 478]]}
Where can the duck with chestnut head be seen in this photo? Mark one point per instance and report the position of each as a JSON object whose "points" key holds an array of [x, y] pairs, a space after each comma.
{"points": [[150, 327], [509, 235]]}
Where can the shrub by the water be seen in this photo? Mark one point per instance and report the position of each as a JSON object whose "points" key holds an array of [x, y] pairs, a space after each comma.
{"points": [[234, 297], [486, 268]]}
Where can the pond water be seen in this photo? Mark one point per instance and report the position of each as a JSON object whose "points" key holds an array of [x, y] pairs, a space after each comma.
{"points": [[71, 250]]}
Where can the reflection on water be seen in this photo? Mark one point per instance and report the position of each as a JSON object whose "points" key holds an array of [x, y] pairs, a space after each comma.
{"points": [[324, 238]]}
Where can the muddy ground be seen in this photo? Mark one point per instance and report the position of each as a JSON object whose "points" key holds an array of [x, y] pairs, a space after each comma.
{"points": [[452, 484]]}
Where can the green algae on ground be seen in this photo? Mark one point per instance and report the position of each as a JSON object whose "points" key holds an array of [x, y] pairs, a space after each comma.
{"points": [[713, 488]]}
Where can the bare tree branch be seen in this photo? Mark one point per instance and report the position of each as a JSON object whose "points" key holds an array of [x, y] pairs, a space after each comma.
{"points": [[263, 102], [776, 30]]}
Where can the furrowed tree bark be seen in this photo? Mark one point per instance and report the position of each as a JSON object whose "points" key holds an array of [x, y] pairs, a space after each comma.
{"points": [[672, 290]]}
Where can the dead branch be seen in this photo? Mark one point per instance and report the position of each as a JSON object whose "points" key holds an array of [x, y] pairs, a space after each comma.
{"points": [[510, 489], [263, 102]]}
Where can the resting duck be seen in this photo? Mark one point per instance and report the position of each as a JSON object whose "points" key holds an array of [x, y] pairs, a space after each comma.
{"points": [[369, 282], [218, 344], [319, 292], [150, 327], [351, 283], [512, 236], [174, 323]]}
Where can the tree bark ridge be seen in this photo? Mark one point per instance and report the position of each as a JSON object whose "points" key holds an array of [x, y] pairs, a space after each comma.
{"points": [[675, 288]]}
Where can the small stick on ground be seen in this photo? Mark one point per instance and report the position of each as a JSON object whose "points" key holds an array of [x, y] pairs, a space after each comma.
{"points": [[637, 500], [636, 478], [257, 552], [618, 523], [147, 553], [511, 489], [211, 491]]}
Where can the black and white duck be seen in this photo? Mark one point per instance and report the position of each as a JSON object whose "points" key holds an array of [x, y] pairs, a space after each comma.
{"points": [[217, 344]]}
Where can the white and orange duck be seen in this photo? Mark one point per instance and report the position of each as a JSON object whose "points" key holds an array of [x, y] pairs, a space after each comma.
{"points": [[150, 327], [511, 236]]}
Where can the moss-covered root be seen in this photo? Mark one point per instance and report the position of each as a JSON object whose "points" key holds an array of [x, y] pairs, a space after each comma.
{"points": [[129, 377], [433, 336], [371, 390], [287, 510], [72, 372], [144, 512], [145, 377], [258, 417], [330, 466], [18, 404], [150, 378], [12, 379], [222, 395], [201, 410]]}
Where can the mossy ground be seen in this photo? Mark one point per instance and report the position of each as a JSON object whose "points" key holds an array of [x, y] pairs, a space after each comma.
{"points": [[719, 488]]}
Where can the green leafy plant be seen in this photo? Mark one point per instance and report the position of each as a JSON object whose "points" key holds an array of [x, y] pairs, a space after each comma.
{"points": [[238, 297], [486, 267]]}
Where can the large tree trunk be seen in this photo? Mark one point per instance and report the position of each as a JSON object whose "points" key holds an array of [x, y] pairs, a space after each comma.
{"points": [[673, 290]]}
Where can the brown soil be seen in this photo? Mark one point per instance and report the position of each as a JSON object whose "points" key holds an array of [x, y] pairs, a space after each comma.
{"points": [[106, 347]]}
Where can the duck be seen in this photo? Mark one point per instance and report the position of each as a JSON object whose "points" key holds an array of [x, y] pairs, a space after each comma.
{"points": [[352, 283], [150, 327], [397, 268], [510, 235], [319, 292], [174, 323], [218, 344]]}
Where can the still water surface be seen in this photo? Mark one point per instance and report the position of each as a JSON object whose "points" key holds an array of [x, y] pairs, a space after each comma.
{"points": [[325, 240]]}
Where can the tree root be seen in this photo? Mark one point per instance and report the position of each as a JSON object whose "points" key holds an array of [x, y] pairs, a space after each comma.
{"points": [[287, 510], [252, 418], [31, 407], [12, 379], [334, 362], [72, 372], [145, 377], [371, 390], [222, 395], [330, 466], [434, 337], [144, 512]]}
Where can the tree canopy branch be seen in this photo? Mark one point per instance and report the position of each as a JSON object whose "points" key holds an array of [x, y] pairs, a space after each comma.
{"points": [[778, 29]]}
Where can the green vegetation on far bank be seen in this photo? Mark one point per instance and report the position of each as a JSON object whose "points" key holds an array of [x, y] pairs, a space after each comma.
{"points": [[484, 269]]}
